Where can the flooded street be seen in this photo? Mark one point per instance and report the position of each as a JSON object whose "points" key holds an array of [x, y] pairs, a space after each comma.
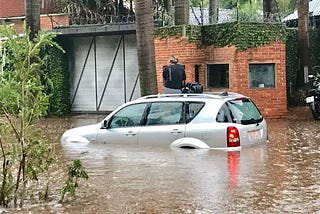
{"points": [[279, 177]]}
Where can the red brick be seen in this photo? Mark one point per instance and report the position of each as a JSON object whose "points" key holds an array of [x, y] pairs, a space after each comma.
{"points": [[189, 55], [16, 8]]}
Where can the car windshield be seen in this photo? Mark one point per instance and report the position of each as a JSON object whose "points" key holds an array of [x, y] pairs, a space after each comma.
{"points": [[241, 111], [128, 116]]}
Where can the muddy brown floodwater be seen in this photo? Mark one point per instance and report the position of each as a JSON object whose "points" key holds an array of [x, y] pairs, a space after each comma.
{"points": [[279, 177]]}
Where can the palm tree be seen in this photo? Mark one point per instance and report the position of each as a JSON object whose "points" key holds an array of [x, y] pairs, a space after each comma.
{"points": [[213, 11], [303, 40], [145, 47], [181, 12], [169, 6], [32, 11], [269, 10]]}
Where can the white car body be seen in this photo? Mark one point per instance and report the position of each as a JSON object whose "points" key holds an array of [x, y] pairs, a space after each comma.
{"points": [[183, 121]]}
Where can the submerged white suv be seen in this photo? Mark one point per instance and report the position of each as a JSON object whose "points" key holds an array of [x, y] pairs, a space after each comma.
{"points": [[215, 120]]}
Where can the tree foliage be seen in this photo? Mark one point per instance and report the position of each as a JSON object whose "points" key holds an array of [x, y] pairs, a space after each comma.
{"points": [[199, 3], [24, 154], [75, 172], [104, 11], [284, 7], [95, 11]]}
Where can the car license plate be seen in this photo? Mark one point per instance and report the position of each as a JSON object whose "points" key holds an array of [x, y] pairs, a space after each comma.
{"points": [[310, 99], [254, 135]]}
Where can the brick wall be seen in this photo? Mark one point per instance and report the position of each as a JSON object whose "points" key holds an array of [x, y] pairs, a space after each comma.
{"points": [[271, 101], [12, 12], [9, 8], [14, 8], [47, 22]]}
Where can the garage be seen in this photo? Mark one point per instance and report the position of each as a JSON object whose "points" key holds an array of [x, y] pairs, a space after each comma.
{"points": [[103, 67]]}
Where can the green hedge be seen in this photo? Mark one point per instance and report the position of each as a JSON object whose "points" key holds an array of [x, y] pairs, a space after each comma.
{"points": [[57, 84], [315, 46], [241, 35], [297, 96], [292, 66]]}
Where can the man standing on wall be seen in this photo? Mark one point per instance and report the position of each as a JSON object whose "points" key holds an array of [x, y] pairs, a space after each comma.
{"points": [[174, 77]]}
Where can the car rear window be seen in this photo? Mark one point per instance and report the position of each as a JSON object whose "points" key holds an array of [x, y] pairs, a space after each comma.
{"points": [[242, 111]]}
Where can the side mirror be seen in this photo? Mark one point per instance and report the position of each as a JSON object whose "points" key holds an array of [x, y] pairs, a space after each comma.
{"points": [[104, 125]]}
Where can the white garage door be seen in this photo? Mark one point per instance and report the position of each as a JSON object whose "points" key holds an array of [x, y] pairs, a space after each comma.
{"points": [[103, 72]]}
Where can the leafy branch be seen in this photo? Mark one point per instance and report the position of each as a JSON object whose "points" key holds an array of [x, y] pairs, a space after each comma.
{"points": [[75, 171], [24, 153]]}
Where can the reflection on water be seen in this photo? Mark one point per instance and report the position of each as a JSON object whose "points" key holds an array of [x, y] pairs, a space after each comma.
{"points": [[233, 165], [279, 177]]}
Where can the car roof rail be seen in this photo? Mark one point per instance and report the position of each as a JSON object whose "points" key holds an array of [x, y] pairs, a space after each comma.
{"points": [[200, 95]]}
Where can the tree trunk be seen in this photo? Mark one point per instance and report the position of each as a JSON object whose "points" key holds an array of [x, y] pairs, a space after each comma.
{"points": [[169, 7], [213, 11], [145, 46], [32, 11], [303, 42], [269, 10], [181, 12], [131, 8]]}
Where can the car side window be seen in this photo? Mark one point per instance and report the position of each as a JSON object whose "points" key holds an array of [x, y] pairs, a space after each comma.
{"points": [[165, 113], [128, 116], [193, 108], [224, 114]]}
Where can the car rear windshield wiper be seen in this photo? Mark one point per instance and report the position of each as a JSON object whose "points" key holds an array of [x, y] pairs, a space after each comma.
{"points": [[251, 121]]}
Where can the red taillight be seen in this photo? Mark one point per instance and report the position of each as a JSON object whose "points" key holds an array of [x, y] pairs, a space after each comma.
{"points": [[233, 138]]}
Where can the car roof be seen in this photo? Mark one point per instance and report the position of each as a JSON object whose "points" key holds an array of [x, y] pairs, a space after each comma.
{"points": [[222, 96], [208, 97]]}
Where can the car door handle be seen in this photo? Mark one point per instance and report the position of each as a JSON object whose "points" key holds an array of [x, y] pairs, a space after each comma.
{"points": [[176, 131], [131, 133]]}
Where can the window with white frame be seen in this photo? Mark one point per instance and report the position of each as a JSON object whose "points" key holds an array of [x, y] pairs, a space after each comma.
{"points": [[218, 75], [262, 75]]}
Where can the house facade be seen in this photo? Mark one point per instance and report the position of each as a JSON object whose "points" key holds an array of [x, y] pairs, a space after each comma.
{"points": [[13, 12], [103, 63], [103, 68], [259, 73]]}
